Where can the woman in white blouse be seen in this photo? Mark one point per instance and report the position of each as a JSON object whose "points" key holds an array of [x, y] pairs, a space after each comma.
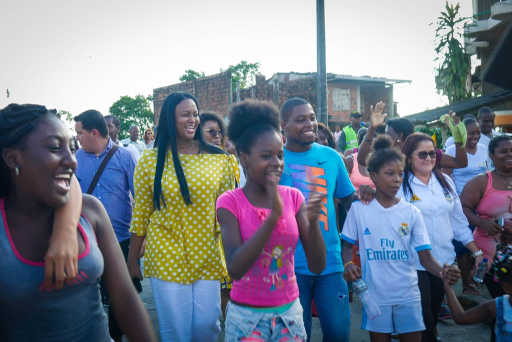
{"points": [[434, 195]]}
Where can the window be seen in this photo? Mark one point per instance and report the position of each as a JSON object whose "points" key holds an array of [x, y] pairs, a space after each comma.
{"points": [[340, 99]]}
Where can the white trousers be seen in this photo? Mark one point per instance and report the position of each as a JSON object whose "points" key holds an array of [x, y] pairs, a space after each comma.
{"points": [[187, 313]]}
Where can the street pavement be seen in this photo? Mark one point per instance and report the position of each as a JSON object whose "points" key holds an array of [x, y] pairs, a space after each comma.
{"points": [[448, 330]]}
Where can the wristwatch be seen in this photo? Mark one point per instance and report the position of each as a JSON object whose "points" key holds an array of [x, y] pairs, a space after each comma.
{"points": [[474, 255]]}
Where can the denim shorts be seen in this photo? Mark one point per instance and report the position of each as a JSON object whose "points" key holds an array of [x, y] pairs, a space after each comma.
{"points": [[243, 323]]}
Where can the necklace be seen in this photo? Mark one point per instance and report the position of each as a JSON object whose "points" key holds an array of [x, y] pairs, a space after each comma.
{"points": [[509, 186]]}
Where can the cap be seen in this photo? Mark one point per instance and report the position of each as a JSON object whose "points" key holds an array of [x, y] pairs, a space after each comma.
{"points": [[354, 113]]}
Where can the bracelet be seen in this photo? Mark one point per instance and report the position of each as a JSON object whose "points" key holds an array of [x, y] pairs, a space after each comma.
{"points": [[348, 263], [369, 140], [477, 253]]}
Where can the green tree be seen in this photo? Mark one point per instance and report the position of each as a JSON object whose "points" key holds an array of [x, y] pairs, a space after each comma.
{"points": [[191, 75], [245, 73], [455, 66], [133, 111]]}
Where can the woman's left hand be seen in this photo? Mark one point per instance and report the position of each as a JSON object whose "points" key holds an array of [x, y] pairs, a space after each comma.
{"points": [[366, 194]]}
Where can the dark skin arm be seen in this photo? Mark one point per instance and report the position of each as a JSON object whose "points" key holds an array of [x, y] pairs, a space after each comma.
{"points": [[128, 308], [61, 259], [352, 272], [461, 157], [474, 315], [459, 161], [377, 118], [427, 260], [470, 197], [310, 234], [342, 142]]}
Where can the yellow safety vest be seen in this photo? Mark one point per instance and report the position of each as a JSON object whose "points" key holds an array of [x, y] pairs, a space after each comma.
{"points": [[350, 137]]}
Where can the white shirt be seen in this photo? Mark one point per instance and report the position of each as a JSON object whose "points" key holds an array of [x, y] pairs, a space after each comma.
{"points": [[337, 136], [242, 175], [139, 145], [485, 140], [388, 241], [133, 151], [477, 163], [442, 214], [449, 142]]}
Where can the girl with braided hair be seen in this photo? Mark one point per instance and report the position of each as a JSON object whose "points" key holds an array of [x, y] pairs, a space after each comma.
{"points": [[500, 308], [37, 168], [62, 255]]}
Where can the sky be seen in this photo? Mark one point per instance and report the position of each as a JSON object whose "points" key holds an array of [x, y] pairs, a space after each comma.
{"points": [[76, 56]]}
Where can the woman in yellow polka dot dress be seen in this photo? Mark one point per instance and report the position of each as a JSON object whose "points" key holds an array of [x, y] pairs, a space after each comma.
{"points": [[175, 210]]}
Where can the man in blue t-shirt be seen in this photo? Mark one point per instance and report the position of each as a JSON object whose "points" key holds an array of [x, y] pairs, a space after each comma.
{"points": [[310, 166]]}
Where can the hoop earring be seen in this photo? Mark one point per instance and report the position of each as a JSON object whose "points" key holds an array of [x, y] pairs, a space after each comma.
{"points": [[17, 170]]}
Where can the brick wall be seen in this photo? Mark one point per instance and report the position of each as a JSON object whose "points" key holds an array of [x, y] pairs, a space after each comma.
{"points": [[212, 93], [339, 116], [304, 88], [370, 97]]}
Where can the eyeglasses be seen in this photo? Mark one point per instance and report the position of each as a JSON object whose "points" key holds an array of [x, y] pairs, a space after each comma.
{"points": [[213, 132], [424, 154], [149, 133]]}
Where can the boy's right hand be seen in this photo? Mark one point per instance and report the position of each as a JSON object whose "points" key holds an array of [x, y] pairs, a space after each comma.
{"points": [[450, 274], [352, 273]]}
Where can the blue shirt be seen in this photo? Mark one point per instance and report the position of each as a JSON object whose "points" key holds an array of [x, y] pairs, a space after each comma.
{"points": [[322, 167], [113, 187]]}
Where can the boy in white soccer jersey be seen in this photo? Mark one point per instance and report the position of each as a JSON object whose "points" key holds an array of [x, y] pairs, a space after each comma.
{"points": [[389, 230]]}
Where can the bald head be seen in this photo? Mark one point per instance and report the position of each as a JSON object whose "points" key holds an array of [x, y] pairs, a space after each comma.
{"points": [[134, 133]]}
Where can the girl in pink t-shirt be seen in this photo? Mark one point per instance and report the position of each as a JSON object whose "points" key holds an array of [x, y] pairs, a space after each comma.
{"points": [[261, 224]]}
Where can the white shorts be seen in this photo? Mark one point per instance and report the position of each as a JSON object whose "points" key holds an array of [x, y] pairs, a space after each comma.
{"points": [[402, 318]]}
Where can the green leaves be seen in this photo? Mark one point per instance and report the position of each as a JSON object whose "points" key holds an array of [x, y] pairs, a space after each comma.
{"points": [[191, 75], [245, 73], [454, 68], [133, 111]]}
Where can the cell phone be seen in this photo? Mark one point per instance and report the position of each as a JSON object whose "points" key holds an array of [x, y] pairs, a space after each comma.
{"points": [[501, 221], [137, 284]]}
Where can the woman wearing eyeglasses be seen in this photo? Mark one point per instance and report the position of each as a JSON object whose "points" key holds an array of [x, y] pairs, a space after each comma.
{"points": [[213, 128], [149, 138], [434, 194]]}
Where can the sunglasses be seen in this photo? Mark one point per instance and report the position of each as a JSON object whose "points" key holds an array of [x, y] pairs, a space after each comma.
{"points": [[213, 132], [149, 133], [424, 154]]}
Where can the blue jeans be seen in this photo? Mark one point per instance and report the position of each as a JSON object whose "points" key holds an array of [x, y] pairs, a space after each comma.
{"points": [[330, 293]]}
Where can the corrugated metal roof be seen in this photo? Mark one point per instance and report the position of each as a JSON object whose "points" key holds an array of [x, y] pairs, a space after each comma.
{"points": [[460, 107]]}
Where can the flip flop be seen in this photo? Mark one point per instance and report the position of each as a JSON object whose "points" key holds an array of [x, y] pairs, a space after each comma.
{"points": [[470, 290]]}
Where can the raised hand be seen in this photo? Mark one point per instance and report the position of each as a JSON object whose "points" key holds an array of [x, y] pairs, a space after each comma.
{"points": [[314, 205], [377, 118], [275, 198]]}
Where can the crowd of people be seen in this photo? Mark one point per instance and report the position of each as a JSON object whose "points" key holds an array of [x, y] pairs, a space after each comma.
{"points": [[265, 221]]}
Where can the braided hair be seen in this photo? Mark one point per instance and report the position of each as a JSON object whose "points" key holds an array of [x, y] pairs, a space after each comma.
{"points": [[16, 124], [502, 265]]}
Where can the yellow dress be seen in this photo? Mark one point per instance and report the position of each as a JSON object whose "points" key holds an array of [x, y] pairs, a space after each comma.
{"points": [[183, 242]]}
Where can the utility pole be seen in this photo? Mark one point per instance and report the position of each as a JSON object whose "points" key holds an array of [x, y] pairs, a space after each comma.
{"points": [[321, 69]]}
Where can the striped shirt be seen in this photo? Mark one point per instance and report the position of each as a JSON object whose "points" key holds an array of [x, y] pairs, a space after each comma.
{"points": [[113, 187]]}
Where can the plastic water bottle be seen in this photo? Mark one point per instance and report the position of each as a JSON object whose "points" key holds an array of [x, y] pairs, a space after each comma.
{"points": [[480, 272], [371, 308]]}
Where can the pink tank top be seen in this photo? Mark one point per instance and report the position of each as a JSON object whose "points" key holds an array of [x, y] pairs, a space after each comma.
{"points": [[495, 203], [356, 177]]}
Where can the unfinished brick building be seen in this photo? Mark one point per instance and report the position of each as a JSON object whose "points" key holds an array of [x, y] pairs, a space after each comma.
{"points": [[345, 93]]}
